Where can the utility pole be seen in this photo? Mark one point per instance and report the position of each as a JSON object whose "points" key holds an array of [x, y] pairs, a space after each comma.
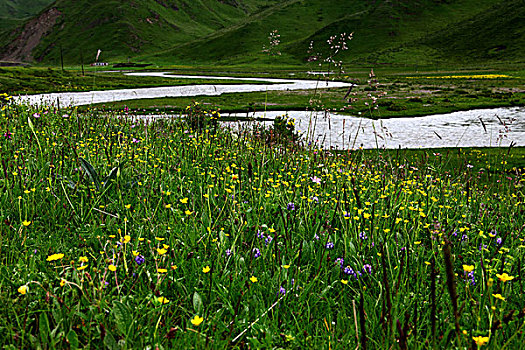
{"points": [[61, 58], [82, 60]]}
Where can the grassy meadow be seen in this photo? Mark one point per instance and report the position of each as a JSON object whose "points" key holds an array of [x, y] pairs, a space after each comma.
{"points": [[121, 232], [391, 93], [34, 80]]}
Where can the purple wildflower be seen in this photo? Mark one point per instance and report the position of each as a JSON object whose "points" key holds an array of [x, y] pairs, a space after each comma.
{"points": [[348, 271], [329, 245], [472, 279], [282, 291], [290, 206], [139, 259], [363, 236], [367, 268], [256, 253]]}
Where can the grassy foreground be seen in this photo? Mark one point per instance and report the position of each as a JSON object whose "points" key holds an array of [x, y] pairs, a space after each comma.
{"points": [[125, 234]]}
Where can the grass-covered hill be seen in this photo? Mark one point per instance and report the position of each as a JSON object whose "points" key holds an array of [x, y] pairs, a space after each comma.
{"points": [[13, 12], [121, 28], [234, 31]]}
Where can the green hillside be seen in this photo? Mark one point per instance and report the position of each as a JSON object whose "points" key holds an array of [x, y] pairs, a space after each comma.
{"points": [[402, 32], [233, 32], [121, 28], [21, 8], [12, 12]]}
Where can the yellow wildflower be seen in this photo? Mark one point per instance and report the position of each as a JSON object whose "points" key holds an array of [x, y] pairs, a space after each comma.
{"points": [[163, 300], [197, 320], [54, 257], [480, 340], [498, 296], [468, 268], [504, 277]]}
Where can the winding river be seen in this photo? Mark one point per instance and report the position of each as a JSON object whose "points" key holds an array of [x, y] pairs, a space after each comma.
{"points": [[90, 97], [496, 127]]}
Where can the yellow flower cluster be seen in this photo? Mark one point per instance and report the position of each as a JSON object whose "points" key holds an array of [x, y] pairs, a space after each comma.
{"points": [[476, 76]]}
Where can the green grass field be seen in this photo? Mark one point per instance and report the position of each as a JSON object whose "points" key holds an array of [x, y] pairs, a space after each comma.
{"points": [[397, 93], [124, 234], [22, 81]]}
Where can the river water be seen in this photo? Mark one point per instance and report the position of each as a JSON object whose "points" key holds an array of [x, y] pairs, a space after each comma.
{"points": [[90, 97], [496, 127]]}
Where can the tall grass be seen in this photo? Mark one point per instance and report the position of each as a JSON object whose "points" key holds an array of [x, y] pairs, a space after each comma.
{"points": [[121, 232]]}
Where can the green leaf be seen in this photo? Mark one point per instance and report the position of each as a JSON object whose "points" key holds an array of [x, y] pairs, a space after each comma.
{"points": [[32, 127], [72, 339], [43, 327], [110, 341], [90, 171], [197, 303], [123, 317], [113, 174]]}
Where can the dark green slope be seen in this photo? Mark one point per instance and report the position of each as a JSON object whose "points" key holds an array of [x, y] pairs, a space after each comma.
{"points": [[12, 12], [495, 34], [234, 31], [21, 8], [123, 28], [243, 43], [397, 31]]}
